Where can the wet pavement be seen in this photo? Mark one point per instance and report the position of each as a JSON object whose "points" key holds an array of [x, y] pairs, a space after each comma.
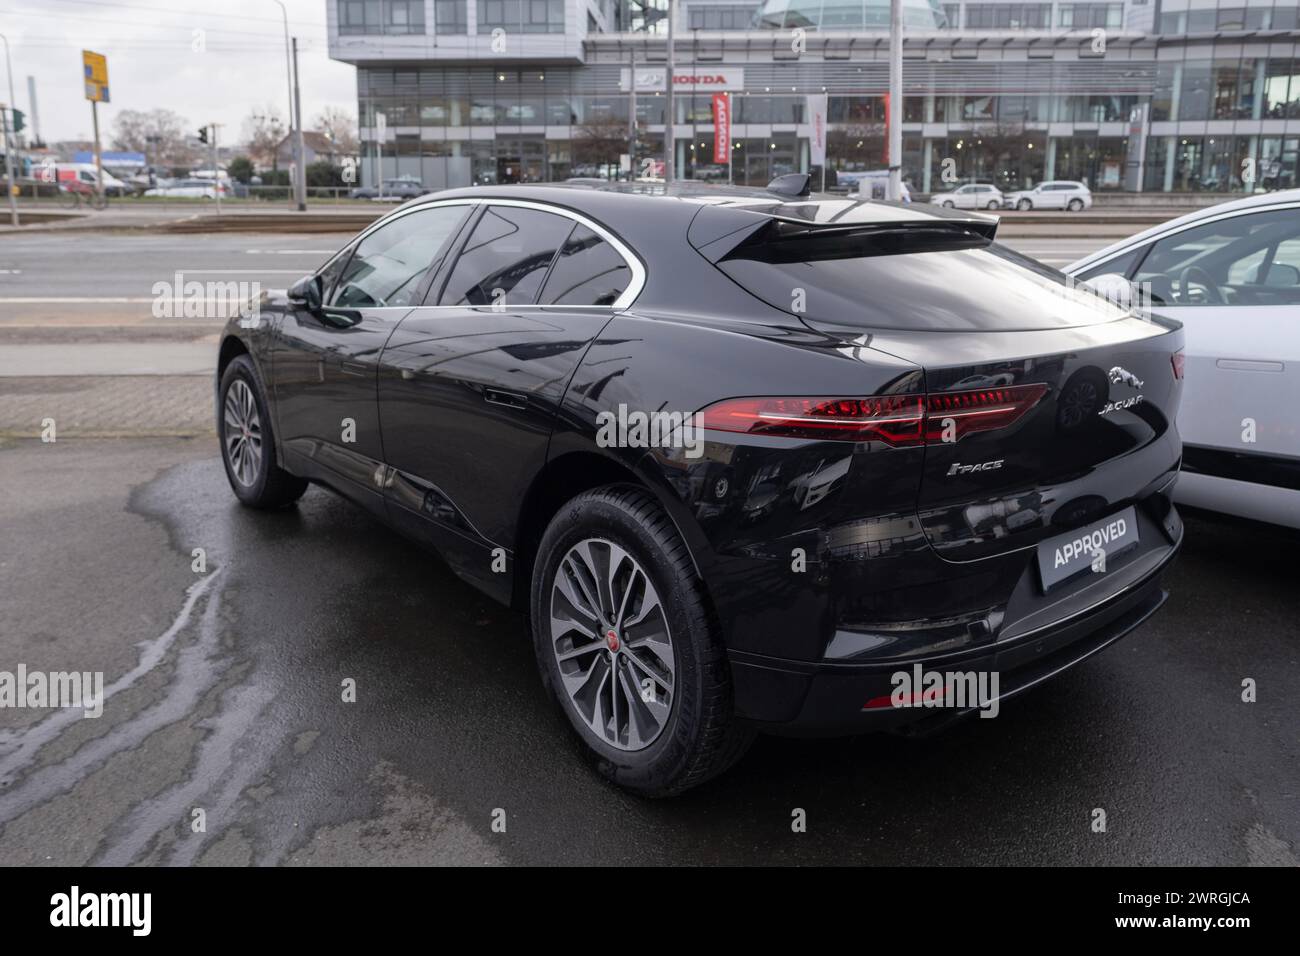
{"points": [[225, 694]]}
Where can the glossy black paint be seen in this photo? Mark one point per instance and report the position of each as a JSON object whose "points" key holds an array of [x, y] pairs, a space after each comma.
{"points": [[475, 424]]}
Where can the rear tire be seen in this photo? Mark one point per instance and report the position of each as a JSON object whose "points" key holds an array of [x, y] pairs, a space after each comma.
{"points": [[672, 726], [1074, 205], [248, 441]]}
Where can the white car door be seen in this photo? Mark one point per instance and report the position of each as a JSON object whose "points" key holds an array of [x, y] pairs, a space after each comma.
{"points": [[1235, 285]]}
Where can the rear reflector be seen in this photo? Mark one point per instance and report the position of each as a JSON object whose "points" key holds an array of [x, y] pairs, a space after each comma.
{"points": [[896, 420], [1177, 361]]}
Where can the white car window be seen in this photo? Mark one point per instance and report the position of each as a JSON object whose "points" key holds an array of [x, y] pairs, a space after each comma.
{"points": [[1219, 263]]}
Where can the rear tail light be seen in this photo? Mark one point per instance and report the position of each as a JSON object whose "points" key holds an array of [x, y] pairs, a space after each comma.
{"points": [[1177, 360], [896, 420]]}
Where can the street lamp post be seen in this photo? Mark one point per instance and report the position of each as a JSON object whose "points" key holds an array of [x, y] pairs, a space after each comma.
{"points": [[895, 132], [288, 75], [10, 139], [670, 142]]}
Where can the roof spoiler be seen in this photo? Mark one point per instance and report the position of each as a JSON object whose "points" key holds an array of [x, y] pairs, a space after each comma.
{"points": [[792, 185]]}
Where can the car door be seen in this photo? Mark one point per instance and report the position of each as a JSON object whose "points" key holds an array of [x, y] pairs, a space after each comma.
{"points": [[470, 383], [1243, 335], [325, 362]]}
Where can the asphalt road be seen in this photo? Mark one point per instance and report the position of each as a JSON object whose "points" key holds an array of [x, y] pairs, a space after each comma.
{"points": [[226, 697]]}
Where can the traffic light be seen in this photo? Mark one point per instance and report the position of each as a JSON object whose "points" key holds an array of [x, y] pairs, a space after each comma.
{"points": [[20, 121], [203, 135]]}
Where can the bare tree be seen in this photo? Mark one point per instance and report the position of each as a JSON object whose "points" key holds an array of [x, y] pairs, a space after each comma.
{"points": [[263, 132], [162, 135], [338, 126], [599, 142]]}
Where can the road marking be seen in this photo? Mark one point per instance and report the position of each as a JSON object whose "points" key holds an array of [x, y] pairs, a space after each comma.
{"points": [[289, 252], [241, 272]]}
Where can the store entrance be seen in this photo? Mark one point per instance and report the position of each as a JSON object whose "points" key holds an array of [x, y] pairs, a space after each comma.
{"points": [[521, 159]]}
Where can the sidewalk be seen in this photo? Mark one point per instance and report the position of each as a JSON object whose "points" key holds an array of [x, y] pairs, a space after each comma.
{"points": [[107, 406]]}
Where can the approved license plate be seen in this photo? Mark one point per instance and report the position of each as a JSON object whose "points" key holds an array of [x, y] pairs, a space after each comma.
{"points": [[1089, 548]]}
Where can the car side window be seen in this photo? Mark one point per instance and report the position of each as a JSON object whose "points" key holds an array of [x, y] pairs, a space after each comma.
{"points": [[1220, 262], [506, 258], [589, 271], [389, 264]]}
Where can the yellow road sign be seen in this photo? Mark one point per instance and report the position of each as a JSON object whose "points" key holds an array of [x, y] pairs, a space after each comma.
{"points": [[95, 68]]}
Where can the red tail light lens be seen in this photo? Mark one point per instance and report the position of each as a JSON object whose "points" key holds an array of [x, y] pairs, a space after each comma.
{"points": [[951, 416], [1177, 361], [893, 419], [896, 420]]}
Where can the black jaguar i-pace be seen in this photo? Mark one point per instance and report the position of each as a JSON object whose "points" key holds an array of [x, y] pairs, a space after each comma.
{"points": [[749, 461]]}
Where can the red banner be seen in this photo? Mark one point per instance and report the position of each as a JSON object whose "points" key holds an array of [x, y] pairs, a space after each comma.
{"points": [[721, 127]]}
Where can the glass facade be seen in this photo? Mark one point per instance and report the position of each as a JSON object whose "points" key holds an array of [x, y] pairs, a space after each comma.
{"points": [[1219, 112]]}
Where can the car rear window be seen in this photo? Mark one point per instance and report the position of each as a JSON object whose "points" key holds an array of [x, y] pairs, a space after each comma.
{"points": [[911, 278]]}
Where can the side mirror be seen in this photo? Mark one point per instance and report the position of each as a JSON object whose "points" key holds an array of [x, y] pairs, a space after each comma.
{"points": [[306, 292], [1282, 275], [1114, 288]]}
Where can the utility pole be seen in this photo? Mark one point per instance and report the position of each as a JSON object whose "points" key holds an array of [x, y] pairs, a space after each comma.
{"points": [[36, 117], [895, 193], [9, 165], [288, 67], [300, 183], [99, 156], [10, 141], [216, 169], [670, 145], [631, 116]]}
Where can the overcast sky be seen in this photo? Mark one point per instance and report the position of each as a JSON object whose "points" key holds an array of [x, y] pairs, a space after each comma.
{"points": [[151, 61]]}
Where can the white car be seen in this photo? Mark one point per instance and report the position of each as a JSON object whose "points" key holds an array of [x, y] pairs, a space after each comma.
{"points": [[189, 189], [1054, 194], [970, 196], [1231, 274]]}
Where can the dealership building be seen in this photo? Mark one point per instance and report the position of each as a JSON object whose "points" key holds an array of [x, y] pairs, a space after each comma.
{"points": [[1139, 95]]}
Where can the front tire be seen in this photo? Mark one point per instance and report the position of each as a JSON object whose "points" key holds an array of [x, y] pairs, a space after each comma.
{"points": [[628, 647], [248, 442], [1024, 205], [949, 204]]}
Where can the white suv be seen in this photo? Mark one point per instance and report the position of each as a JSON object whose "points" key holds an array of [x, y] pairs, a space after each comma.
{"points": [[970, 196], [1056, 194]]}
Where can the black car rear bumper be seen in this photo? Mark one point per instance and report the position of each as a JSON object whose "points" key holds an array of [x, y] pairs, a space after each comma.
{"points": [[831, 699]]}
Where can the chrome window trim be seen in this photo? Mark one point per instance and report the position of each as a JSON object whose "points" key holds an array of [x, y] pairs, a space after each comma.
{"points": [[1159, 237], [634, 264]]}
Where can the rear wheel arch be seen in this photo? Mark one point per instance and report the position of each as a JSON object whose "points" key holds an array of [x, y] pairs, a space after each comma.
{"points": [[563, 479]]}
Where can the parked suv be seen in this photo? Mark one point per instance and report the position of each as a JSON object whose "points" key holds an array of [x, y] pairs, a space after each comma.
{"points": [[1057, 194], [726, 510]]}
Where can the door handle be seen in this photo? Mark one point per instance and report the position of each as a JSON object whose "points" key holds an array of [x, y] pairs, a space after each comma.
{"points": [[496, 396], [1246, 365], [355, 368]]}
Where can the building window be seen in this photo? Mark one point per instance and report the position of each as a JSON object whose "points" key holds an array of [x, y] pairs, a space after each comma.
{"points": [[391, 17], [1008, 16], [729, 17], [450, 18], [521, 16], [1090, 16]]}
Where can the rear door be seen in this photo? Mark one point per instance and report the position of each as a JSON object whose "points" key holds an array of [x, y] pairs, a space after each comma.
{"points": [[325, 363], [471, 382]]}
